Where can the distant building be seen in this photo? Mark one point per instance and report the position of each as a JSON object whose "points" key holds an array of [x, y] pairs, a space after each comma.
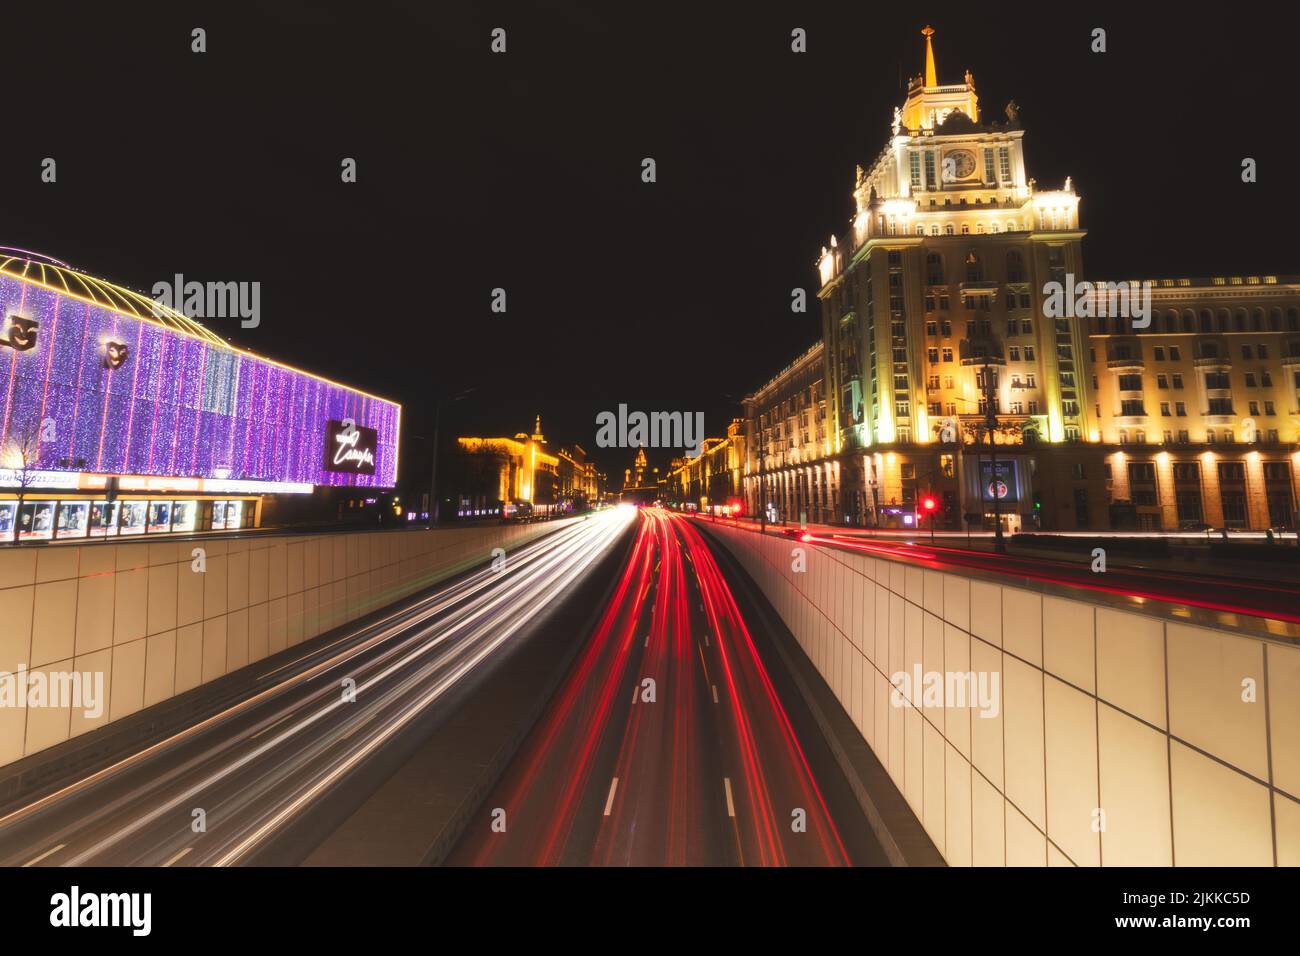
{"points": [[640, 483], [713, 480], [579, 480], [505, 476]]}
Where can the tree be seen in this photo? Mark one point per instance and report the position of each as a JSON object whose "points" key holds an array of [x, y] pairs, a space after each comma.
{"points": [[22, 457]]}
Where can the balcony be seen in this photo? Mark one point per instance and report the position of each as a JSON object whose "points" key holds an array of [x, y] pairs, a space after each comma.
{"points": [[1119, 363]]}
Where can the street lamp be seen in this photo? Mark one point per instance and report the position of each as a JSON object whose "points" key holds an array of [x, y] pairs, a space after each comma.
{"points": [[433, 471], [990, 425]]}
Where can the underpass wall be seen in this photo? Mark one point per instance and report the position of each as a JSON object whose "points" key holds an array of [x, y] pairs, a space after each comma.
{"points": [[146, 618], [1112, 738]]}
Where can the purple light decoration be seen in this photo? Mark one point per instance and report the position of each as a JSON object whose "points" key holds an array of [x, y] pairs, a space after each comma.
{"points": [[178, 407]]}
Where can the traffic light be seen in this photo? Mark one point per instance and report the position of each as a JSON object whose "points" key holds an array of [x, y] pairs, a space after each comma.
{"points": [[1038, 500], [928, 504]]}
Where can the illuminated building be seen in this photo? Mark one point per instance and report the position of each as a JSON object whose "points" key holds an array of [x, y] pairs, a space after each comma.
{"points": [[790, 444], [506, 476], [1197, 412], [940, 329], [713, 479], [122, 416], [640, 483], [579, 481]]}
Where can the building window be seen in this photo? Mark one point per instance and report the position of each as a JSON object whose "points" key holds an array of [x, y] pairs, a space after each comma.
{"points": [[1015, 266], [1004, 163], [916, 170]]}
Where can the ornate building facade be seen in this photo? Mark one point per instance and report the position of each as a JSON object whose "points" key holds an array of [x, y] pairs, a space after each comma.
{"points": [[714, 479], [948, 366]]}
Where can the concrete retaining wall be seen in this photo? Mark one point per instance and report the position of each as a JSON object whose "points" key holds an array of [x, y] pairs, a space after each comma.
{"points": [[140, 615], [1120, 738]]}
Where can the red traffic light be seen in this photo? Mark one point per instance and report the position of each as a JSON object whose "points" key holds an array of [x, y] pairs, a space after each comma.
{"points": [[928, 503]]}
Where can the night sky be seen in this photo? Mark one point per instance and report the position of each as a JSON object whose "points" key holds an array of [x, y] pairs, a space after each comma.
{"points": [[522, 171]]}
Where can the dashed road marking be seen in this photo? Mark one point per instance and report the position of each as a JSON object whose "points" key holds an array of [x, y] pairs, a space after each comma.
{"points": [[51, 851], [178, 856], [715, 693], [731, 807], [609, 801]]}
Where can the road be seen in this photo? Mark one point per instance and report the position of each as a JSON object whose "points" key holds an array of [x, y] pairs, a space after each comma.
{"points": [[671, 742], [1222, 594], [217, 792]]}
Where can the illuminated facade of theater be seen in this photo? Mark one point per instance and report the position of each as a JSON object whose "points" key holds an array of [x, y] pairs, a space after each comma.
{"points": [[934, 308], [124, 417]]}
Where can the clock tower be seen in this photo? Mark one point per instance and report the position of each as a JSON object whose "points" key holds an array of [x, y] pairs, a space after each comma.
{"points": [[933, 304]]}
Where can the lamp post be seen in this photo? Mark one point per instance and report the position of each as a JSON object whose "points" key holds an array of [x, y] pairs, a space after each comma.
{"points": [[990, 425], [433, 471]]}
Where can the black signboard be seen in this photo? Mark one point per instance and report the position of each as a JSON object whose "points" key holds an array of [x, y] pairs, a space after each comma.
{"points": [[350, 448], [1004, 487]]}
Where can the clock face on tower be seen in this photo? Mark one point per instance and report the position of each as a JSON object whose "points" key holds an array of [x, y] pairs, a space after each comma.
{"points": [[958, 164]]}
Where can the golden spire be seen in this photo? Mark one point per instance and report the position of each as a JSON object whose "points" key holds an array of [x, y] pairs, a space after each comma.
{"points": [[931, 78]]}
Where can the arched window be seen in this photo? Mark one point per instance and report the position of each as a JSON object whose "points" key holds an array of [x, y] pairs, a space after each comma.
{"points": [[1015, 266], [979, 228], [934, 274], [920, 229], [974, 268], [1205, 322], [934, 229], [1171, 322], [965, 229], [996, 227], [947, 230]]}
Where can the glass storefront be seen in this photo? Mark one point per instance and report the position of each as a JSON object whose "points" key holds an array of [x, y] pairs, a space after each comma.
{"points": [[73, 519], [36, 520], [45, 520]]}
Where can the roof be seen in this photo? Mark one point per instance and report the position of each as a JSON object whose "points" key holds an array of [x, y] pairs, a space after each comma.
{"points": [[59, 277]]}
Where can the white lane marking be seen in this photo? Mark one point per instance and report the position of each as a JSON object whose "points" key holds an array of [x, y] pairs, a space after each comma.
{"points": [[706, 638], [49, 852], [731, 807], [271, 726], [178, 856], [634, 690], [715, 693], [647, 640], [609, 801]]}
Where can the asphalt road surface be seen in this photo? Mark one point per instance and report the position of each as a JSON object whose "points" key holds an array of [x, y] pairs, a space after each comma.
{"points": [[675, 740]]}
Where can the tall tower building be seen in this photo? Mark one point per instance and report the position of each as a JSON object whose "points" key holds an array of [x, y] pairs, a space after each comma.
{"points": [[931, 305]]}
